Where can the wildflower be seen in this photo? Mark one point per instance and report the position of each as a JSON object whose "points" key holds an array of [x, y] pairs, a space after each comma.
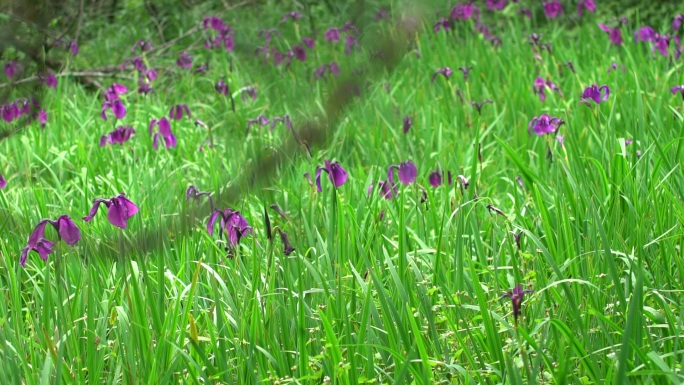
{"points": [[644, 34], [525, 12], [73, 48], [478, 105], [349, 43], [10, 68], [408, 123], [222, 87], [435, 178], [407, 173], [589, 5], [595, 93], [194, 193], [119, 210], [299, 52], [676, 89], [287, 246], [516, 295], [553, 9], [336, 174], [117, 108], [464, 11], [614, 66], [292, 15], [466, 72], [145, 46], [677, 22], [308, 42], [496, 5], [540, 85], [285, 118], [544, 124], [442, 23], [464, 181], [261, 119], [49, 79], [165, 131], [176, 112], [223, 36], [66, 229], [3, 182], [112, 93], [332, 35], [614, 33], [386, 190], [184, 60], [248, 91], [446, 71], [120, 135], [233, 225]]}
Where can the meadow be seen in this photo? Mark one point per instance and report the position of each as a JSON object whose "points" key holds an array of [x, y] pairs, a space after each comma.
{"points": [[485, 193]]}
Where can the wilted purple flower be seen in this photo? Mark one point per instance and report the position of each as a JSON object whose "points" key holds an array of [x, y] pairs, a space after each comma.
{"points": [[464, 11], [119, 210], [615, 34], [336, 174], [408, 123], [589, 5], [299, 52], [184, 60], [285, 118], [233, 225], [120, 135], [287, 246], [3, 182], [332, 35], [292, 15], [222, 87], [261, 119], [644, 34], [478, 105], [676, 89], [407, 173], [11, 68], [308, 42], [553, 9], [145, 46], [164, 131], [66, 229], [544, 124], [466, 72], [250, 91], [442, 23], [117, 108], [516, 295], [677, 22], [464, 181], [446, 71], [496, 5], [177, 111], [595, 93]]}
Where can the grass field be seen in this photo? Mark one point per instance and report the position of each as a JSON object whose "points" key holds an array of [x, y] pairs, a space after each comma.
{"points": [[401, 283]]}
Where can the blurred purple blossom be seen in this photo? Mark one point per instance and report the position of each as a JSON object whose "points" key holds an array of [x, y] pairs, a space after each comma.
{"points": [[223, 36], [465, 11], [553, 9], [3, 182], [677, 22], [49, 79], [164, 131], [644, 34], [442, 23], [119, 210], [466, 72], [120, 135], [184, 60], [595, 93], [233, 225], [540, 85], [42, 117], [176, 112], [381, 14], [267, 34], [112, 93], [222, 87], [292, 15], [66, 230], [679, 88], [445, 71], [336, 174], [407, 172], [496, 5], [478, 105], [309, 42], [332, 35], [517, 295], [349, 43], [544, 124], [436, 178], [614, 66], [408, 123], [614, 33], [561, 140], [145, 46], [11, 68], [117, 108], [249, 91], [589, 5]]}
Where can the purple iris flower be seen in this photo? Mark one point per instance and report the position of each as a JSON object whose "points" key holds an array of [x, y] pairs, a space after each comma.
{"points": [[553, 9], [287, 246], [332, 35], [292, 15], [466, 72], [464, 11], [334, 68], [478, 105], [117, 108], [3, 182], [446, 71], [442, 23], [676, 89], [120, 135], [614, 33], [222, 87], [299, 52], [308, 42], [49, 79], [540, 85], [233, 225], [177, 111], [112, 93], [223, 36], [677, 22], [261, 120], [184, 60], [164, 131], [145, 46], [320, 72], [336, 174], [285, 119], [408, 123], [407, 173], [436, 178], [544, 124], [589, 5], [349, 43], [66, 229], [73, 47], [644, 34], [386, 190], [496, 5], [11, 68], [42, 117], [516, 295], [595, 93], [249, 91], [119, 210]]}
